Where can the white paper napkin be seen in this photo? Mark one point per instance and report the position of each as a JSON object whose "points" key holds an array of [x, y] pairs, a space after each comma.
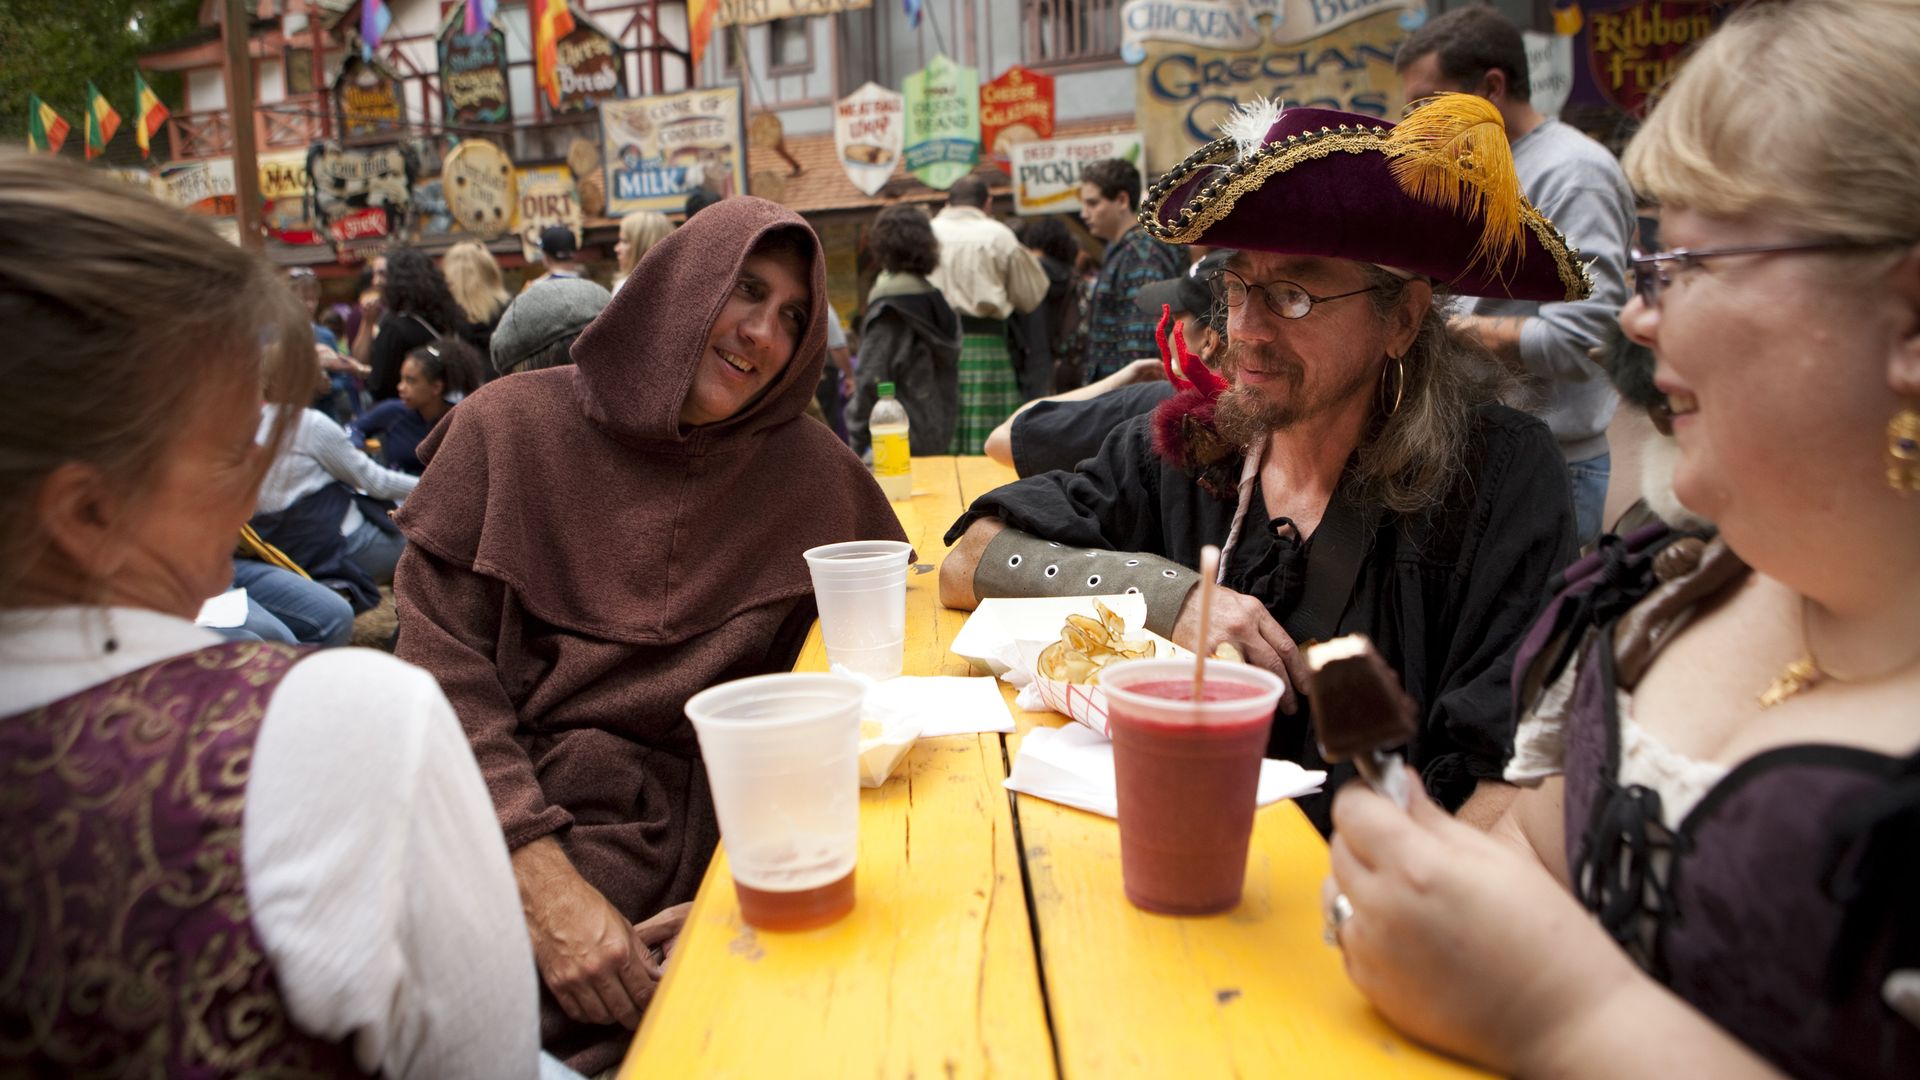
{"points": [[992, 634], [225, 611], [944, 704], [1073, 766]]}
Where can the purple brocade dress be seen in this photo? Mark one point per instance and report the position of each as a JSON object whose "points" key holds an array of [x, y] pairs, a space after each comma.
{"points": [[126, 945]]}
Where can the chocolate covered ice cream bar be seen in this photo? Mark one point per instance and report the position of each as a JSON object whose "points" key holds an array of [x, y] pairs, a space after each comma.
{"points": [[1360, 711]]}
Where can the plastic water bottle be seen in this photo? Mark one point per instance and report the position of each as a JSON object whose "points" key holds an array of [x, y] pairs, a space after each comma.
{"points": [[892, 458]]}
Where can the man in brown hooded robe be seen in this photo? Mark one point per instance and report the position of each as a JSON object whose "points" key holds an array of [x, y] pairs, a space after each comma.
{"points": [[591, 545]]}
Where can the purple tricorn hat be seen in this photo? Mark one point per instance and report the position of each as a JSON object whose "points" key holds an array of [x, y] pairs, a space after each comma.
{"points": [[1434, 195]]}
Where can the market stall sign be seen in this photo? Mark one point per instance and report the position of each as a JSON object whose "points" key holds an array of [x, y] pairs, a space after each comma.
{"points": [[943, 122], [1017, 107], [1046, 175], [659, 149], [368, 99], [869, 129], [478, 180], [754, 12], [588, 68], [473, 76]]}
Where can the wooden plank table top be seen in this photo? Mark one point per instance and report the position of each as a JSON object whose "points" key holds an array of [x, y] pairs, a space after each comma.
{"points": [[970, 954]]}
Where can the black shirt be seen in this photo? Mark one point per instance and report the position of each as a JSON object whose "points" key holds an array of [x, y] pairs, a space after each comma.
{"points": [[1061, 434], [1446, 595]]}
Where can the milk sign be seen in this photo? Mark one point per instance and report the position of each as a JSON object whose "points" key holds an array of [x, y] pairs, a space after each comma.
{"points": [[658, 149], [1046, 175]]}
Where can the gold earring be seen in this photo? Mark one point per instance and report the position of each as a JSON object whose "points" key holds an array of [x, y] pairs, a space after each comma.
{"points": [[1903, 450], [1399, 384]]}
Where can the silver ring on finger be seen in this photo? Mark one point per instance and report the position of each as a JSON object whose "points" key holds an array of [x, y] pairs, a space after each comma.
{"points": [[1339, 912]]}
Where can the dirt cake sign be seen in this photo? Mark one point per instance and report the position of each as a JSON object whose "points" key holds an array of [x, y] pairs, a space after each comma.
{"points": [[1197, 60]]}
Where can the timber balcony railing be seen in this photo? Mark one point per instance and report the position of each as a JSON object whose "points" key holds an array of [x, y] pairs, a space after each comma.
{"points": [[285, 125]]}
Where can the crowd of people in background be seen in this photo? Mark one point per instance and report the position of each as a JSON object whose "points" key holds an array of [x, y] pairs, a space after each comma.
{"points": [[1665, 794]]}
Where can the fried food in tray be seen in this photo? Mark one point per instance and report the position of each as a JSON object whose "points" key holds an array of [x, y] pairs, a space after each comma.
{"points": [[1086, 645]]}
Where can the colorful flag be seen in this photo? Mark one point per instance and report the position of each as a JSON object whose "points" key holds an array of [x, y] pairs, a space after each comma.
{"points": [[374, 20], [45, 130], [551, 22], [148, 114], [913, 8], [480, 15], [1567, 19], [699, 26], [102, 122]]}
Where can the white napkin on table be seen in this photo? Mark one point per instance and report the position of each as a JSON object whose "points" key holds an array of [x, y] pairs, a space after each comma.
{"points": [[1073, 766], [943, 704]]}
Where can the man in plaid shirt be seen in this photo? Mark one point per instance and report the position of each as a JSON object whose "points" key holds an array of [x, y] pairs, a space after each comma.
{"points": [[1117, 331]]}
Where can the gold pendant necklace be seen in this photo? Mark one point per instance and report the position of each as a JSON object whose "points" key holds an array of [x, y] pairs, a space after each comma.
{"points": [[1806, 673]]}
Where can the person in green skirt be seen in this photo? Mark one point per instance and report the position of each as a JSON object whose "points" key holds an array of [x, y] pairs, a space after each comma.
{"points": [[986, 275]]}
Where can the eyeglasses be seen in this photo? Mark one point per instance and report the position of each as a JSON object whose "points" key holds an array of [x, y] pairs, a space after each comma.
{"points": [[1284, 298], [1653, 273]]}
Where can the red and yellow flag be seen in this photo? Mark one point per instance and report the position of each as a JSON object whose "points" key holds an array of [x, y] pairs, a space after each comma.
{"points": [[102, 122], [551, 22], [148, 114], [45, 130], [699, 26]]}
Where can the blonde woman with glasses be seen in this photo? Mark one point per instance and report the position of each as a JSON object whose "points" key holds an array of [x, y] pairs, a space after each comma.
{"points": [[1714, 873]]}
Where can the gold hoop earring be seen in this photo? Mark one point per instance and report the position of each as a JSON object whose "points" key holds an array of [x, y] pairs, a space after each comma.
{"points": [[1399, 384], [1903, 450]]}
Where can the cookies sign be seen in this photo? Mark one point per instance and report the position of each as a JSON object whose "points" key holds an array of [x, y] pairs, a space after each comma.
{"points": [[868, 130], [478, 181], [659, 149], [1017, 107]]}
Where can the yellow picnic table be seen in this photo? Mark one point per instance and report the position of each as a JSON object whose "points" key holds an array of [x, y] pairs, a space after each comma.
{"points": [[990, 936]]}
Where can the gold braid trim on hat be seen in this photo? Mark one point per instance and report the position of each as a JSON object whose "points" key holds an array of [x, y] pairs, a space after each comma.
{"points": [[1240, 176]]}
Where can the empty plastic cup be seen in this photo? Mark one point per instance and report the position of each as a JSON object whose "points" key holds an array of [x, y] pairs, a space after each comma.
{"points": [[782, 757], [1187, 774], [861, 589]]}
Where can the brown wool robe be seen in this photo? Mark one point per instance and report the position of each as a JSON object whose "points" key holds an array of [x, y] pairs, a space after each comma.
{"points": [[577, 566]]}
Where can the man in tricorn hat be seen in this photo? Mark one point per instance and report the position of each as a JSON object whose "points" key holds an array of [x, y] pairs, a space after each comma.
{"points": [[1358, 471]]}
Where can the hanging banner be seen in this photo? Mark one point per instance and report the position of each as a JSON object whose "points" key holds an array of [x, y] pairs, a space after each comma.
{"points": [[1328, 55], [204, 187], [473, 74], [286, 205], [1046, 175], [367, 97], [588, 68], [659, 149], [478, 180], [754, 12], [546, 197], [1627, 49], [1549, 71], [942, 122], [869, 129], [1017, 107]]}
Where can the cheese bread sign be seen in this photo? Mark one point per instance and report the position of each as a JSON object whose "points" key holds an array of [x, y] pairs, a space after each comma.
{"points": [[1046, 175]]}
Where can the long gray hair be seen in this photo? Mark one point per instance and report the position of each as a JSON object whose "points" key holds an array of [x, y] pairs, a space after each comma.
{"points": [[1409, 459]]}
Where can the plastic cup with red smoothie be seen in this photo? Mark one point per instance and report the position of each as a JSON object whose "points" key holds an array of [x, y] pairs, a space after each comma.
{"points": [[1187, 773]]}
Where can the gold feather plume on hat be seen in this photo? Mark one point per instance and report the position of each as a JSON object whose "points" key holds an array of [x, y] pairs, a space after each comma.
{"points": [[1452, 150]]}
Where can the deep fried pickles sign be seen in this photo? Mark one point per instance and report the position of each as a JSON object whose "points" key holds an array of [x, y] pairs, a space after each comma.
{"points": [[1197, 60]]}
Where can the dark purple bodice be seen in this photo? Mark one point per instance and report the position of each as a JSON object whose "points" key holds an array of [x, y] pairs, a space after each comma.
{"points": [[126, 945], [1769, 907]]}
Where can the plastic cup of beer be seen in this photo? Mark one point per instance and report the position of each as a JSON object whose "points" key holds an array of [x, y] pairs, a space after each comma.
{"points": [[1187, 773], [861, 589], [782, 756]]}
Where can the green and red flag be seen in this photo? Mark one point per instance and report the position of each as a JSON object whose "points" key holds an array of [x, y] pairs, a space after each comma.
{"points": [[102, 122], [45, 130], [148, 114]]}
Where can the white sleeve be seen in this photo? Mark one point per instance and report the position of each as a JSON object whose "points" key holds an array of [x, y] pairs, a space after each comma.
{"points": [[379, 880], [330, 446], [1540, 741]]}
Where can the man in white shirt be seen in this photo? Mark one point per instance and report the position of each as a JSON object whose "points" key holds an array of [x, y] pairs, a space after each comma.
{"points": [[985, 275]]}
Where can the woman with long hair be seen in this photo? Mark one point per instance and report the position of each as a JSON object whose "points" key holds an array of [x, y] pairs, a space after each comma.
{"points": [[473, 277], [638, 233], [417, 307], [224, 858]]}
